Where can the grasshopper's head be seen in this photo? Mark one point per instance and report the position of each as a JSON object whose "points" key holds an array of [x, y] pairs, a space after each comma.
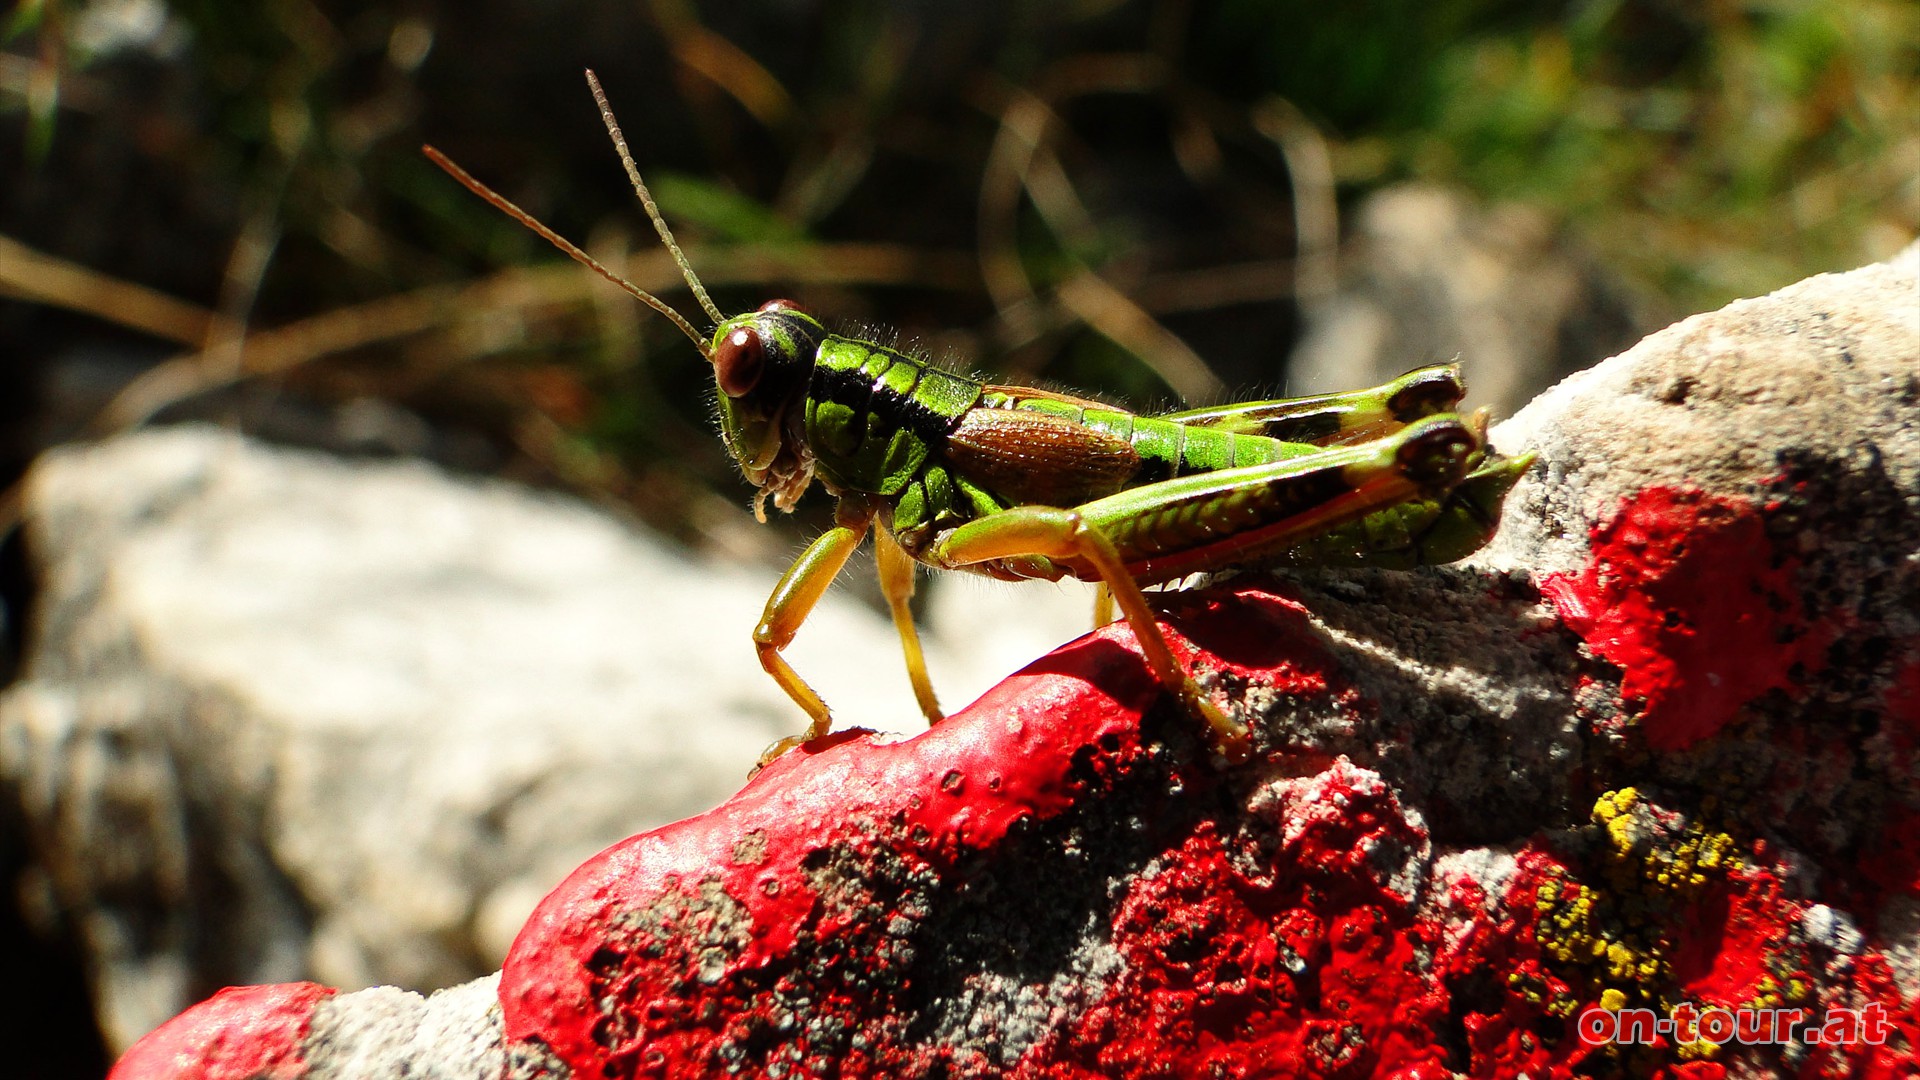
{"points": [[762, 362]]}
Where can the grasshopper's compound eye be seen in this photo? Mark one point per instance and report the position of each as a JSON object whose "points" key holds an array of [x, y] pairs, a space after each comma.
{"points": [[738, 361], [780, 305]]}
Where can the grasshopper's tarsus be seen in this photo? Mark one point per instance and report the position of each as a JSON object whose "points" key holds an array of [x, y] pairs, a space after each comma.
{"points": [[779, 747], [1016, 482]]}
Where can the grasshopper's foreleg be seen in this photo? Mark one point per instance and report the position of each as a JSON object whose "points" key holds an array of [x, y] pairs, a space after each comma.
{"points": [[896, 584], [800, 588], [1067, 536]]}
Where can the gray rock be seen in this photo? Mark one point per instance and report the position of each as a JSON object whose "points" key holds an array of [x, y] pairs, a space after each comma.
{"points": [[1827, 367], [286, 717], [1428, 276], [452, 1034]]}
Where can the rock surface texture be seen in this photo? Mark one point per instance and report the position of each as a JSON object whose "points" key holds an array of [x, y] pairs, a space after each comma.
{"points": [[1655, 748]]}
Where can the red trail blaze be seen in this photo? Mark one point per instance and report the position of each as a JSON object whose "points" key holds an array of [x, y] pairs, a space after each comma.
{"points": [[240, 1033], [1687, 596]]}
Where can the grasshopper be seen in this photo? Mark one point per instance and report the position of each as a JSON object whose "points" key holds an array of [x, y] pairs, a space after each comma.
{"points": [[1017, 482]]}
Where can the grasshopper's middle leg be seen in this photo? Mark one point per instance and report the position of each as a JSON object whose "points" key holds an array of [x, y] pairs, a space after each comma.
{"points": [[896, 584], [800, 588], [1102, 605], [1064, 534]]}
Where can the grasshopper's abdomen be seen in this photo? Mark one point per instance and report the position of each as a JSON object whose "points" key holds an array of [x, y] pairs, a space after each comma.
{"points": [[874, 416]]}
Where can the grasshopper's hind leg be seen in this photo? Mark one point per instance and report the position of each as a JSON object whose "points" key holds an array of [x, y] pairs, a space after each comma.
{"points": [[1067, 536], [1205, 521], [896, 584]]}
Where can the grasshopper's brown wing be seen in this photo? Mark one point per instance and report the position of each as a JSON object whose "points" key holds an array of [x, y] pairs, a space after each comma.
{"points": [[1059, 397], [1034, 458]]}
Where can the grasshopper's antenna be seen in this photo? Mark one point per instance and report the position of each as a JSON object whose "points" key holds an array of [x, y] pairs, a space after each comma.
{"points": [[561, 242], [646, 199]]}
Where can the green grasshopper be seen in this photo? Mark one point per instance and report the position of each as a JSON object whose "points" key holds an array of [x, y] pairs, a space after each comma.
{"points": [[1016, 482]]}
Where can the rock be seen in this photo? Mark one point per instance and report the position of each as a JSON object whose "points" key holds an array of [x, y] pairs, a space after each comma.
{"points": [[1496, 808], [448, 1035], [1428, 276], [240, 1033], [296, 1030], [289, 717]]}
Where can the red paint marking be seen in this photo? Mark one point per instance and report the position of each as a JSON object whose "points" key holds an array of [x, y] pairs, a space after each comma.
{"points": [[1744, 932], [1871, 980], [675, 948], [1726, 943], [1501, 982], [240, 1033], [958, 788], [1312, 961], [1685, 594]]}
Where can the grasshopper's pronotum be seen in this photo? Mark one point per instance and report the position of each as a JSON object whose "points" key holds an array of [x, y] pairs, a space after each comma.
{"points": [[1016, 482]]}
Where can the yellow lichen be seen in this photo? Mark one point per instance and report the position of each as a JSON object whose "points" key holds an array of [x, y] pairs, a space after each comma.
{"points": [[1697, 1050], [1653, 868]]}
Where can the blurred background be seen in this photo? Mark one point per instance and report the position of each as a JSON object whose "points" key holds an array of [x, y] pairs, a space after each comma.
{"points": [[219, 211]]}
